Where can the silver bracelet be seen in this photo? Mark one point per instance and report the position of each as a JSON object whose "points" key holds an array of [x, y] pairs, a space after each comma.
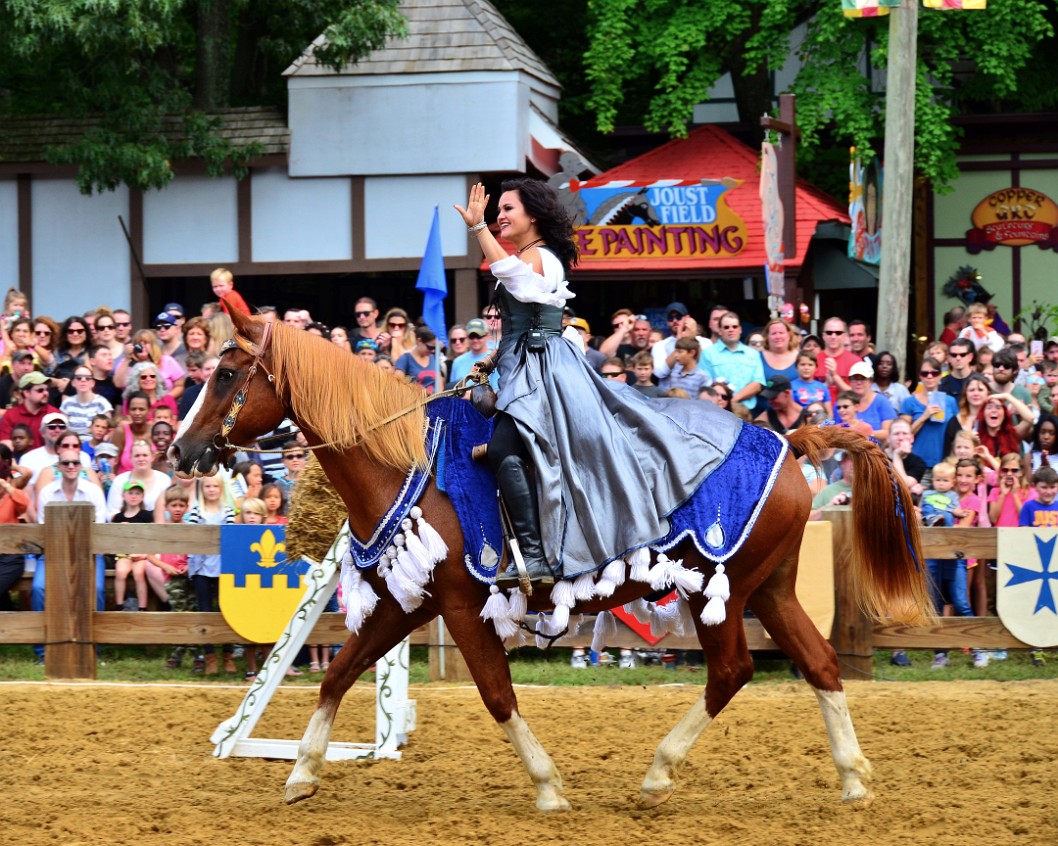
{"points": [[477, 227]]}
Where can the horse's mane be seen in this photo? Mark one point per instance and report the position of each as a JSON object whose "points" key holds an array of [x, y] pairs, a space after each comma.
{"points": [[340, 397]]}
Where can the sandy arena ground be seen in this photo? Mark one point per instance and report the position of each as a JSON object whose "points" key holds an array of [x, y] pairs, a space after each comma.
{"points": [[955, 763]]}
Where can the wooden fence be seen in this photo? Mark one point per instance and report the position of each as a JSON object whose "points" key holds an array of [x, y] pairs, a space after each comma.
{"points": [[70, 626]]}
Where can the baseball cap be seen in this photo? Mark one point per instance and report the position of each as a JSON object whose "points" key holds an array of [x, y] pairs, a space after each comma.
{"points": [[52, 418], [579, 323], [862, 368], [165, 318], [106, 448], [34, 377], [174, 308], [679, 308], [775, 386], [21, 355], [365, 344], [1051, 342], [478, 327], [133, 483]]}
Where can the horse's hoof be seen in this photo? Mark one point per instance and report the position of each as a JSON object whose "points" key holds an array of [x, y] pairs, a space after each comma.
{"points": [[553, 805], [861, 802], [652, 798], [297, 792]]}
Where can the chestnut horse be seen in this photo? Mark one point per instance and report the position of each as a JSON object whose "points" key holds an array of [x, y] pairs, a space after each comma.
{"points": [[344, 405]]}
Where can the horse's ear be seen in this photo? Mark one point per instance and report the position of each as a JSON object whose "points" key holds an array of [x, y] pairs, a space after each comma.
{"points": [[239, 320]]}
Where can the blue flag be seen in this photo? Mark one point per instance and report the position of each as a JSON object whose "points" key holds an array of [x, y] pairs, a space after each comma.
{"points": [[432, 282]]}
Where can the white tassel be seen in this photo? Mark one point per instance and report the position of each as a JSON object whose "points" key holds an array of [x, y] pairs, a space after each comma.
{"points": [[669, 613], [408, 596], [417, 549], [661, 574], [518, 605], [562, 594], [584, 587], [639, 609], [605, 627], [686, 619], [360, 598], [409, 572], [430, 537], [542, 630], [516, 640], [687, 581], [639, 564], [498, 610], [719, 585], [715, 612], [559, 619], [613, 576], [659, 624]]}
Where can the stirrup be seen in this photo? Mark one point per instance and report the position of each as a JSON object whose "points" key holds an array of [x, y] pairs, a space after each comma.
{"points": [[538, 574]]}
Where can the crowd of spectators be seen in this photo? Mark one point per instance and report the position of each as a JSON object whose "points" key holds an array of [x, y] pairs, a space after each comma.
{"points": [[90, 405]]}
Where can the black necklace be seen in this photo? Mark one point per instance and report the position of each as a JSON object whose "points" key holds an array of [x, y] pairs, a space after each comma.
{"points": [[531, 244]]}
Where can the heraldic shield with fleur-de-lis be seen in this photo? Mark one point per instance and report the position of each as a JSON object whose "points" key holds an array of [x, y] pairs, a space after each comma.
{"points": [[260, 588], [1025, 584]]}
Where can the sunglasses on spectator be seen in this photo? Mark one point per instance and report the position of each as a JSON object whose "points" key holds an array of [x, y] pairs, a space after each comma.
{"points": [[82, 376], [1010, 470], [122, 324], [75, 330], [397, 325], [957, 354], [42, 331], [430, 347], [69, 463], [56, 425], [148, 376], [43, 388], [101, 326], [844, 406], [927, 373], [362, 313], [611, 375], [476, 335], [294, 455], [455, 340], [997, 366], [159, 327], [673, 317], [833, 331]]}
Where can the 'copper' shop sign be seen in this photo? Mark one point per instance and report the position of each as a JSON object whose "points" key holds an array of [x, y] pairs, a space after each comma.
{"points": [[1014, 217]]}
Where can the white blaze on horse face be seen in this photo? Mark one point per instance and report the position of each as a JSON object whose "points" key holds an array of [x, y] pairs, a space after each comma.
{"points": [[189, 421], [853, 768]]}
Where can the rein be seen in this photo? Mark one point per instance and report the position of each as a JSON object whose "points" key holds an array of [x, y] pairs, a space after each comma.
{"points": [[220, 440]]}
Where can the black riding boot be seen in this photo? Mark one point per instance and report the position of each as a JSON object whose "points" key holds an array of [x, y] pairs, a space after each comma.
{"points": [[520, 499]]}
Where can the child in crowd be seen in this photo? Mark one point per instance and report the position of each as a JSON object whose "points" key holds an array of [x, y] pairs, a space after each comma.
{"points": [[1044, 444], [1042, 512], [845, 404], [967, 444], [685, 373], [275, 503], [806, 388], [970, 487], [167, 575], [979, 331], [98, 432], [643, 368], [223, 282], [21, 441], [204, 570], [132, 511], [940, 503], [1049, 371], [254, 512], [1007, 498]]}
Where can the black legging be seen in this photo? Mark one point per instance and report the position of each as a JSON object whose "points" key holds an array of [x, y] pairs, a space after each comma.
{"points": [[506, 441], [11, 569]]}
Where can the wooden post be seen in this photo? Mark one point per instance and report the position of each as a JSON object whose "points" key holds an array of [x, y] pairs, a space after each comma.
{"points": [[853, 631], [899, 163], [70, 591], [786, 160]]}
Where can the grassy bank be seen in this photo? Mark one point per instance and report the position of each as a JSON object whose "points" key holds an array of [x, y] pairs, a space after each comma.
{"points": [[532, 666]]}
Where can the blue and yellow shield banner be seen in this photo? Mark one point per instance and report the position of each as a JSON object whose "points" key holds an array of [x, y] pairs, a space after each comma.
{"points": [[1025, 589], [260, 589]]}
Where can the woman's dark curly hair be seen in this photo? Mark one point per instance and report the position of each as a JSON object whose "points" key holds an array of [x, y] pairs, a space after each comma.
{"points": [[541, 201]]}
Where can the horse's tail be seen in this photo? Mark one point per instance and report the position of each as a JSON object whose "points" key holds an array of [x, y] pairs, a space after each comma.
{"points": [[889, 571]]}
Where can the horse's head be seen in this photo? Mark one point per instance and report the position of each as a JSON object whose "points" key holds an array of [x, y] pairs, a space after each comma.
{"points": [[237, 404]]}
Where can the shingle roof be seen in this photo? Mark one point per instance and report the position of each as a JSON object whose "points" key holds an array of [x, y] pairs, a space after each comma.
{"points": [[24, 139], [443, 36]]}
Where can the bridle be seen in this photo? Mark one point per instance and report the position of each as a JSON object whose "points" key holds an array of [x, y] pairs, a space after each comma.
{"points": [[258, 351], [220, 440]]}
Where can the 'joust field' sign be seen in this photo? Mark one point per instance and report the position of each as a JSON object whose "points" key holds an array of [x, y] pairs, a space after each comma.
{"points": [[657, 219]]}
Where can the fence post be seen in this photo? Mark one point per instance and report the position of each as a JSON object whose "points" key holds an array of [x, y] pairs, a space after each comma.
{"points": [[70, 591], [853, 630]]}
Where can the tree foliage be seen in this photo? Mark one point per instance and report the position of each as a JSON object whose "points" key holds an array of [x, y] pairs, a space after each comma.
{"points": [[968, 61], [145, 74]]}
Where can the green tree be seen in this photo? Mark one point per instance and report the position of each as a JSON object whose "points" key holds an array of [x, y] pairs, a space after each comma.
{"points": [[967, 61], [145, 74]]}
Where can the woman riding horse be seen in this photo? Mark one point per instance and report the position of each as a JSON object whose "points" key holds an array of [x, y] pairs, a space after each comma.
{"points": [[609, 466]]}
